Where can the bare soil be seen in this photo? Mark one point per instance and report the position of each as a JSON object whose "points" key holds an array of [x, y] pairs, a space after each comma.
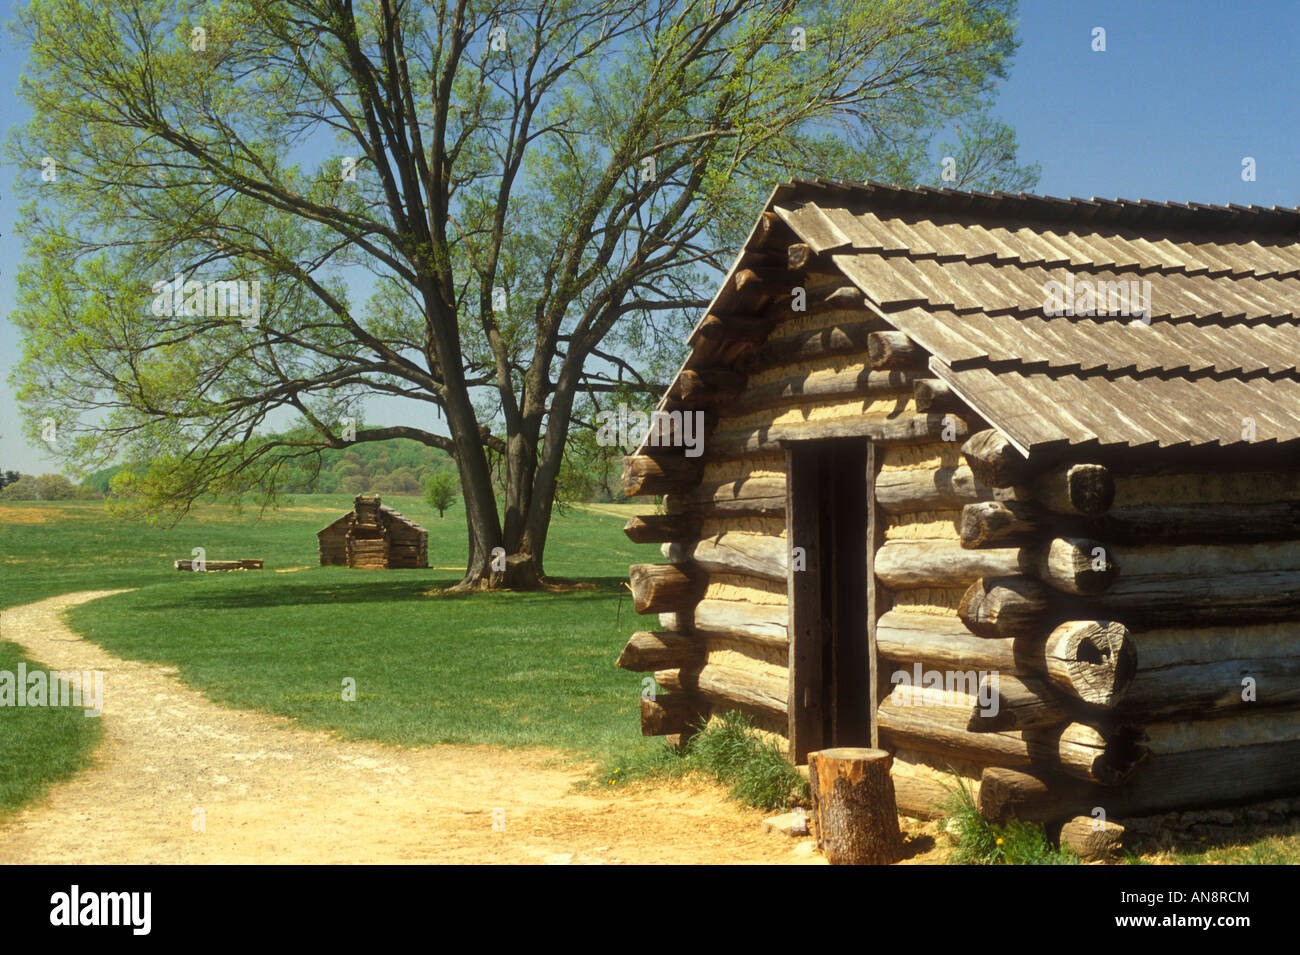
{"points": [[180, 779]]}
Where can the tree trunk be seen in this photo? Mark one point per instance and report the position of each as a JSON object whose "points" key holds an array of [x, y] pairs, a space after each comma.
{"points": [[482, 522], [854, 807], [537, 524]]}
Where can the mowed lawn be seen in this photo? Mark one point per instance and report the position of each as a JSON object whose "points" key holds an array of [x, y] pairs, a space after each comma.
{"points": [[428, 667]]}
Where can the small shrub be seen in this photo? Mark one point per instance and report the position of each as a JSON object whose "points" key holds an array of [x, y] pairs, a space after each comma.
{"points": [[980, 842], [657, 762], [756, 770], [729, 750]]}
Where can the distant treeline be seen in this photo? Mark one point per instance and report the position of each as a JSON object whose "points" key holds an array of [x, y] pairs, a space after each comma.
{"points": [[45, 487], [395, 466]]}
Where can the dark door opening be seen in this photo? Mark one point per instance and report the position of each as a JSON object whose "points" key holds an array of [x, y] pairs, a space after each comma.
{"points": [[830, 528]]}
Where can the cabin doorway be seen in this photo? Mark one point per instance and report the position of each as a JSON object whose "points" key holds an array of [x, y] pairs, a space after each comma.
{"points": [[831, 528]]}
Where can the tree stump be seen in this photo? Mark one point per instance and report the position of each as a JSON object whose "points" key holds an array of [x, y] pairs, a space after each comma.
{"points": [[853, 804]]}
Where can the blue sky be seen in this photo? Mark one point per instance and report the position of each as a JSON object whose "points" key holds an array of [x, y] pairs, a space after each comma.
{"points": [[1183, 92]]}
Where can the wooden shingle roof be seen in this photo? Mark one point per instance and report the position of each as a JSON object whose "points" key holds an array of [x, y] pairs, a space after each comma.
{"points": [[1216, 349], [966, 276]]}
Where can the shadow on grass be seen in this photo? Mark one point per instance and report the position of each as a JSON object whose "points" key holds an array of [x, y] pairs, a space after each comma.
{"points": [[245, 593], [1273, 843]]}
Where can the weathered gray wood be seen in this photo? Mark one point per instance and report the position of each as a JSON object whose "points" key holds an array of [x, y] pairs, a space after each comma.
{"points": [[1218, 488], [734, 552], [1076, 565], [919, 796], [1020, 703], [1214, 668], [944, 644], [798, 255], [933, 395], [905, 429], [707, 386], [846, 338], [718, 334], [1005, 606], [1202, 687], [1092, 839], [994, 461], [928, 489], [1199, 779], [669, 714], [1093, 660], [1074, 489], [1198, 585], [1106, 756], [998, 524], [806, 627], [1244, 728], [1031, 795], [1072, 565], [878, 599], [661, 473], [1211, 523], [194, 565], [839, 386], [763, 497], [762, 622], [911, 564], [727, 686], [650, 650], [658, 528], [894, 350], [664, 588]]}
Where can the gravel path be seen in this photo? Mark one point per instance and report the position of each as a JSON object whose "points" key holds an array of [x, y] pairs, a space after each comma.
{"points": [[270, 791]]}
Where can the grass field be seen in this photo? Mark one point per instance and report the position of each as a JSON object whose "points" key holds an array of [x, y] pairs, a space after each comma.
{"points": [[505, 668], [512, 669]]}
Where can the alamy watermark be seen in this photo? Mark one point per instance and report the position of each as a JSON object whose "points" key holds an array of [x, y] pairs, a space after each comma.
{"points": [[216, 299], [76, 688], [663, 429], [129, 909], [1083, 297], [957, 685]]}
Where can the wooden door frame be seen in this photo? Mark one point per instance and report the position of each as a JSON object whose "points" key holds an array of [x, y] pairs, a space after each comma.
{"points": [[805, 705]]}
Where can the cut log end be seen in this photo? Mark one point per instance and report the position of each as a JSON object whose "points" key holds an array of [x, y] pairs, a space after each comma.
{"points": [[671, 714], [1004, 607], [663, 588], [933, 395], [994, 460], [1124, 754], [1094, 660], [649, 650], [1090, 488], [893, 350]]}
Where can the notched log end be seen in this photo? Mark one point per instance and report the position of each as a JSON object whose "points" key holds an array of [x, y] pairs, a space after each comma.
{"points": [[1124, 755], [1091, 488], [1094, 659]]}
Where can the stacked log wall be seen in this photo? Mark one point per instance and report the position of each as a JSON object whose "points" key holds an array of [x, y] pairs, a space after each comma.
{"points": [[1205, 590], [1113, 604], [807, 375]]}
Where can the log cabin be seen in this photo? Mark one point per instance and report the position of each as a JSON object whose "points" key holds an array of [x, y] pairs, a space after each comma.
{"points": [[373, 536], [1004, 484]]}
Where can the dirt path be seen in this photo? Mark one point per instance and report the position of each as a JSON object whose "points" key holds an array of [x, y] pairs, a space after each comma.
{"points": [[273, 792]]}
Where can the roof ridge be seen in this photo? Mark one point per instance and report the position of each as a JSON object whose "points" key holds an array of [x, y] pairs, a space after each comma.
{"points": [[1231, 216]]}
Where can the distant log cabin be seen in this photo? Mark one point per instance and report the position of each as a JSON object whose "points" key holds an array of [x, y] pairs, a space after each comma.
{"points": [[1001, 483], [374, 537]]}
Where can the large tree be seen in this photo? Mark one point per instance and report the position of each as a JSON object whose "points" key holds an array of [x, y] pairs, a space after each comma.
{"points": [[501, 210]]}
